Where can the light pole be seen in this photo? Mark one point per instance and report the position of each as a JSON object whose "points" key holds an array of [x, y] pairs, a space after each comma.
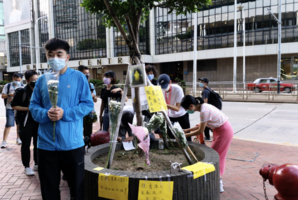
{"points": [[20, 51], [279, 43], [241, 8], [37, 42], [235, 48], [195, 45]]}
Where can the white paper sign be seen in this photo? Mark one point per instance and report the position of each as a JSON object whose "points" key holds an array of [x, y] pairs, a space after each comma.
{"points": [[128, 146]]}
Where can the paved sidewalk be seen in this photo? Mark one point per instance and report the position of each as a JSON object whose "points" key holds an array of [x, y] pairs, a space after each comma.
{"points": [[241, 180]]}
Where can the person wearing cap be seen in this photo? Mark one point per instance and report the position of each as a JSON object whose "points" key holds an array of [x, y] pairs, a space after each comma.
{"points": [[205, 95], [173, 95]]}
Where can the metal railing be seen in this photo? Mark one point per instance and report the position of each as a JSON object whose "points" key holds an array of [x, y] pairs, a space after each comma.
{"points": [[266, 93]]}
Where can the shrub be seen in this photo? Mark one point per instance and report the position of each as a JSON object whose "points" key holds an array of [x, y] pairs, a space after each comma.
{"points": [[91, 44], [3, 82], [96, 82]]}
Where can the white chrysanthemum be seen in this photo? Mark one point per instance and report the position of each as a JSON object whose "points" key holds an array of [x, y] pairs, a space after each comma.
{"points": [[53, 82]]}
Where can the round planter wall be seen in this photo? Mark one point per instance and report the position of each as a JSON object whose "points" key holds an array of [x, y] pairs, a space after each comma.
{"points": [[185, 187]]}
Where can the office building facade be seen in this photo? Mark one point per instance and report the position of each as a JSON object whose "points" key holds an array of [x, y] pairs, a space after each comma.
{"points": [[167, 40]]}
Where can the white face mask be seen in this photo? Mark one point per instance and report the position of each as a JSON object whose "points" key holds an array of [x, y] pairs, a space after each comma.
{"points": [[167, 89]]}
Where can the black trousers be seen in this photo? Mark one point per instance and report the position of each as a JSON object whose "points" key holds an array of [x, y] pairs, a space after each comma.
{"points": [[26, 133], [87, 127], [184, 123], [206, 132], [71, 163]]}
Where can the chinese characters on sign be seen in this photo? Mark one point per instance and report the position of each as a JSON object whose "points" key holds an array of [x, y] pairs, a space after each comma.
{"points": [[113, 187], [200, 169], [155, 98], [155, 190]]}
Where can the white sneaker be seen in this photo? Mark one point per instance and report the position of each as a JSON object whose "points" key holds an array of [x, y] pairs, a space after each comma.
{"points": [[3, 145], [19, 141], [221, 189], [35, 167], [29, 172]]}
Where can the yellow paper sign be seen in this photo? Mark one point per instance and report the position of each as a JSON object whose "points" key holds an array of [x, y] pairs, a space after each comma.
{"points": [[155, 98], [98, 168], [113, 187], [200, 169], [155, 190]]}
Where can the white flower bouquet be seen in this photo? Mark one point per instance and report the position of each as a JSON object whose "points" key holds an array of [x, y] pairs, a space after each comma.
{"points": [[114, 110], [52, 79]]}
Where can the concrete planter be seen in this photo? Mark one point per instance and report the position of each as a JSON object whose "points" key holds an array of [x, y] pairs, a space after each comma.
{"points": [[185, 187]]}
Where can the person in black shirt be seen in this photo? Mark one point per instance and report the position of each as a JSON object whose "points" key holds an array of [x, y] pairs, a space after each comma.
{"points": [[109, 92], [87, 125], [205, 95], [28, 128]]}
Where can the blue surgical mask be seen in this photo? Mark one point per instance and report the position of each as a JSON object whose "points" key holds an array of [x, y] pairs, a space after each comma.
{"points": [[150, 76], [17, 83], [201, 84], [57, 64], [190, 111]]}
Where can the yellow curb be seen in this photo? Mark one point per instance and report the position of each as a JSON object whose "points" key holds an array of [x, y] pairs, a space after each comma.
{"points": [[268, 142]]}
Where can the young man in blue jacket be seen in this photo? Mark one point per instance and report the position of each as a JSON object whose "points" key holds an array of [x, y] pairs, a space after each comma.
{"points": [[66, 152]]}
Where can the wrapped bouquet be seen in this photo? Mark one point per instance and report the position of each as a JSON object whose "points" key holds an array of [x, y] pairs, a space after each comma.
{"points": [[180, 134], [143, 136], [115, 108], [52, 79]]}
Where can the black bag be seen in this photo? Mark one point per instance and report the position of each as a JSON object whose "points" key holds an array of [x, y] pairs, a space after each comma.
{"points": [[214, 99], [8, 88]]}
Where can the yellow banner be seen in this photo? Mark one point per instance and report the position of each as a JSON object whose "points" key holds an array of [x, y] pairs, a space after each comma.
{"points": [[200, 169], [155, 190], [155, 98], [113, 187]]}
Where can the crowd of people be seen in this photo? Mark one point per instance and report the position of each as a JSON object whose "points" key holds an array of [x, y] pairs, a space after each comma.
{"points": [[30, 108]]}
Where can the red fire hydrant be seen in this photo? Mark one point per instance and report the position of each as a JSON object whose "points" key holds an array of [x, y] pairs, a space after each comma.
{"points": [[284, 178]]}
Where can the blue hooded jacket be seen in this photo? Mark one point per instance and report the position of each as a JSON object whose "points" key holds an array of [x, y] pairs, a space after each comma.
{"points": [[74, 97]]}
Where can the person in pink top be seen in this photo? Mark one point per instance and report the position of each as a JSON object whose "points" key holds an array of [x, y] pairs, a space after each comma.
{"points": [[217, 121]]}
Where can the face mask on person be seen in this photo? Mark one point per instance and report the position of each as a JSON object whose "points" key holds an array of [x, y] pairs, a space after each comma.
{"points": [[32, 84], [106, 81], [87, 76], [150, 76], [17, 83], [190, 111], [57, 64], [167, 89], [201, 84]]}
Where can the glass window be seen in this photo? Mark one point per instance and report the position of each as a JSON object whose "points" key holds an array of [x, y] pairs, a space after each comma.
{"points": [[2, 31], [85, 32], [14, 48], [1, 14]]}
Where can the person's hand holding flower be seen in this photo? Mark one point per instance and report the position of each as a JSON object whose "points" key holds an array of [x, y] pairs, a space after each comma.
{"points": [[55, 114]]}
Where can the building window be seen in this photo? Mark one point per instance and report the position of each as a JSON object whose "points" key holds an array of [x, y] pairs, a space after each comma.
{"points": [[85, 32], [14, 48], [120, 47], [173, 33]]}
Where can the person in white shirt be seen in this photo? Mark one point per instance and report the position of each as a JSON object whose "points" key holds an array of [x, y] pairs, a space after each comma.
{"points": [[8, 94], [173, 95]]}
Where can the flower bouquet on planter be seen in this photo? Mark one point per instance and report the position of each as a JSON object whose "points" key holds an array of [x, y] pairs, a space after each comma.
{"points": [[114, 108], [180, 134], [52, 79], [158, 121], [143, 136]]}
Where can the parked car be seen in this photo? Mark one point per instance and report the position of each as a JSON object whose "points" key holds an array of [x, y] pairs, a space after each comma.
{"points": [[270, 84]]}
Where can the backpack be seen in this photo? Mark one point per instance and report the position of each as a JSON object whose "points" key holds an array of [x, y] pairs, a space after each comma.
{"points": [[214, 99]]}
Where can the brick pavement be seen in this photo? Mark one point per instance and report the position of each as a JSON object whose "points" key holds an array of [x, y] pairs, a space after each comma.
{"points": [[241, 180]]}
